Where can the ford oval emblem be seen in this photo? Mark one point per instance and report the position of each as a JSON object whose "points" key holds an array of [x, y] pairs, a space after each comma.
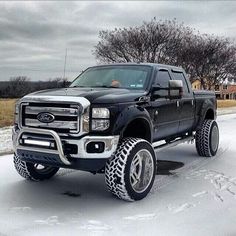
{"points": [[45, 117]]}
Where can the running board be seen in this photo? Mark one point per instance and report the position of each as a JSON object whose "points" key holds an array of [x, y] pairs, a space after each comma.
{"points": [[174, 143]]}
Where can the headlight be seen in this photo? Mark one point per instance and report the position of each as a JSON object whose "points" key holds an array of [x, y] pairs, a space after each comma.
{"points": [[103, 113], [100, 125]]}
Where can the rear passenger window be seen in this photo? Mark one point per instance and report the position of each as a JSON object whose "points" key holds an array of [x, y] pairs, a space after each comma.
{"points": [[180, 76]]}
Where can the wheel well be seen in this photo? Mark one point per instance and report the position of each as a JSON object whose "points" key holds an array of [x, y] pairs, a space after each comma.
{"points": [[138, 128], [210, 115]]}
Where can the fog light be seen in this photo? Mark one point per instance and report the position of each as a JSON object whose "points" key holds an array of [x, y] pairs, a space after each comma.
{"points": [[95, 147]]}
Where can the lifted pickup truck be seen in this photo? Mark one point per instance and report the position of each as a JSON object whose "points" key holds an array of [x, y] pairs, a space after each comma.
{"points": [[111, 120]]}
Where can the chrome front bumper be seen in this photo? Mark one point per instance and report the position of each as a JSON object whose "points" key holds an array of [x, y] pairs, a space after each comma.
{"points": [[110, 144]]}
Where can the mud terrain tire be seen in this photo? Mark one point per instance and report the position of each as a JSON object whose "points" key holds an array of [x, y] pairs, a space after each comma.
{"points": [[207, 139], [130, 172], [31, 171]]}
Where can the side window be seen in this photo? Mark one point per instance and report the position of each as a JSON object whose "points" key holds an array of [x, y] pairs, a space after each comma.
{"points": [[180, 76], [163, 78]]}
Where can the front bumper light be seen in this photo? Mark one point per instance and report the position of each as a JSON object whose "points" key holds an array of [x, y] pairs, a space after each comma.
{"points": [[100, 125], [100, 113]]}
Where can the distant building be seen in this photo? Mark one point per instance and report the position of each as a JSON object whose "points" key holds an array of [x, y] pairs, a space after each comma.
{"points": [[227, 90], [196, 85]]}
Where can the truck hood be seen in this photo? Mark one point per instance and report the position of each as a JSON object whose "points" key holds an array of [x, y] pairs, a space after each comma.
{"points": [[95, 95]]}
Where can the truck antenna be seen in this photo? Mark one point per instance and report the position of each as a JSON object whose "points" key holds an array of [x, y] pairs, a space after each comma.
{"points": [[65, 64]]}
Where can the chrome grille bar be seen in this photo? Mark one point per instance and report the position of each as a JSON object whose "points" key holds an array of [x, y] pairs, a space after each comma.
{"points": [[67, 110], [58, 124], [57, 111], [67, 117]]}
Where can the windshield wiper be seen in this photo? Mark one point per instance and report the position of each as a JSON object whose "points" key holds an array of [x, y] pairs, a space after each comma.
{"points": [[104, 86], [78, 86], [98, 86]]}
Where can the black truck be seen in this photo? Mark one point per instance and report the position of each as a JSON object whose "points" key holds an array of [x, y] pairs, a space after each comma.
{"points": [[112, 119]]}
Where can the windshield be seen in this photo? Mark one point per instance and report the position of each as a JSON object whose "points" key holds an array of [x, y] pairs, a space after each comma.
{"points": [[131, 77]]}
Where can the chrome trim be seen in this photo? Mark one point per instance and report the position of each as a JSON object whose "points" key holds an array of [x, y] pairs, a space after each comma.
{"points": [[72, 125], [160, 147], [64, 99], [80, 103], [177, 103], [111, 143], [57, 111], [52, 133], [20, 113]]}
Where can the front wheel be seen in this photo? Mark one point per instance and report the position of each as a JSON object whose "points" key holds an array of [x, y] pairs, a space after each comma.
{"points": [[207, 139], [33, 171], [130, 173]]}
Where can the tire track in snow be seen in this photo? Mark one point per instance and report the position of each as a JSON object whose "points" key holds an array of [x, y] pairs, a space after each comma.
{"points": [[181, 208], [163, 181], [141, 217], [95, 225]]}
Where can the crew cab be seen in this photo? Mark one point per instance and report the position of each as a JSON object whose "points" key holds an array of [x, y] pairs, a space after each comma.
{"points": [[111, 120]]}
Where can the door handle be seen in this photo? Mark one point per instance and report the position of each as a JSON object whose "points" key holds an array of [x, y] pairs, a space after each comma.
{"points": [[192, 102], [177, 103]]}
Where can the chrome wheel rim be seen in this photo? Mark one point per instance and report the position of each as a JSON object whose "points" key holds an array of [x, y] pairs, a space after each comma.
{"points": [[141, 170], [214, 138]]}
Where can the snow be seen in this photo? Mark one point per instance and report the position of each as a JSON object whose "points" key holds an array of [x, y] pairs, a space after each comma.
{"points": [[6, 140], [198, 198], [227, 110]]}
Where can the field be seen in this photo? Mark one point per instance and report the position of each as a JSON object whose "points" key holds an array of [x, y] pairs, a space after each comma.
{"points": [[7, 107], [226, 103]]}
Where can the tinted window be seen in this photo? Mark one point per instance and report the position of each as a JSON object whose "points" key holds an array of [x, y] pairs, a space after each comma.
{"points": [[132, 77], [163, 78], [180, 76]]}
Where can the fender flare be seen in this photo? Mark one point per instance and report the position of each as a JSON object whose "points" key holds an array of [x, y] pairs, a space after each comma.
{"points": [[206, 106], [130, 114]]}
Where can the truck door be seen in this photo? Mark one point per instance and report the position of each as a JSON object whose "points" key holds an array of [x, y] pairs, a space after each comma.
{"points": [[187, 104], [165, 112]]}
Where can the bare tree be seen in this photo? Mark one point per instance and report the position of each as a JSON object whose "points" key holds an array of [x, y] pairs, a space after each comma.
{"points": [[19, 86], [209, 58], [149, 42], [206, 57]]}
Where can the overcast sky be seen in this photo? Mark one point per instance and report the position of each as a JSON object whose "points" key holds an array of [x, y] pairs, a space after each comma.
{"points": [[35, 35]]}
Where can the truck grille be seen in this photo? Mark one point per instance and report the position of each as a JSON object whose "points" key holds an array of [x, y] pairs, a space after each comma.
{"points": [[65, 117]]}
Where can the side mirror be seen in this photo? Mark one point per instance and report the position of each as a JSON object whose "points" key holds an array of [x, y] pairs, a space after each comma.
{"points": [[159, 92], [175, 89]]}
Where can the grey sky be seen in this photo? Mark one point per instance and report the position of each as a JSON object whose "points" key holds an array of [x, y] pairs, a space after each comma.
{"points": [[34, 35]]}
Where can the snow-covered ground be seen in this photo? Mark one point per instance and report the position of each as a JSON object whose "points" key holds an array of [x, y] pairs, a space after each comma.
{"points": [[199, 198], [227, 110], [5, 140]]}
